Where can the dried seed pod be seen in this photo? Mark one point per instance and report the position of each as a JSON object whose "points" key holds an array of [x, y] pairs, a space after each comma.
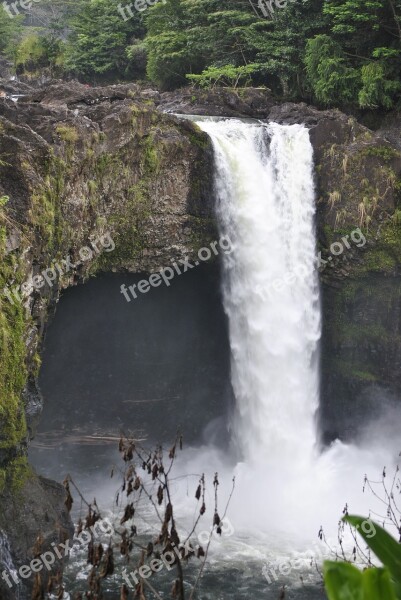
{"points": [[69, 501], [175, 589], [128, 513], [174, 537], [169, 513], [37, 549], [80, 526], [108, 565], [160, 495], [90, 555], [98, 554], [37, 592], [124, 594]]}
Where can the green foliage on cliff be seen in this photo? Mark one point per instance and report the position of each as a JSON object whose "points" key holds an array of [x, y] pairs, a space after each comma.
{"points": [[16, 474], [351, 49], [13, 372]]}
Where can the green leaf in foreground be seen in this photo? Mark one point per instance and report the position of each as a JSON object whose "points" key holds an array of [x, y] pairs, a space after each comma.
{"points": [[345, 582], [385, 547], [342, 581], [377, 585]]}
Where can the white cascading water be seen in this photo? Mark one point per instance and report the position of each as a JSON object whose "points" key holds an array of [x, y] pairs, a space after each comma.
{"points": [[265, 205]]}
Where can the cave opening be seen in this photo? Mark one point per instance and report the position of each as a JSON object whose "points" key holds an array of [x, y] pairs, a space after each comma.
{"points": [[146, 368]]}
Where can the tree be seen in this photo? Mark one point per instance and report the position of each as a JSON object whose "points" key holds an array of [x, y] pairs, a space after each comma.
{"points": [[193, 37], [36, 52], [10, 28], [362, 50], [99, 40], [227, 76], [328, 72]]}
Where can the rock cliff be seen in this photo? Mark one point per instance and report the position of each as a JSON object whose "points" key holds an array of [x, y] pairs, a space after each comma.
{"points": [[80, 166], [82, 171]]}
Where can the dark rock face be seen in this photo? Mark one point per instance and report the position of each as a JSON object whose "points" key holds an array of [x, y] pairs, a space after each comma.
{"points": [[35, 506], [99, 169], [361, 353]]}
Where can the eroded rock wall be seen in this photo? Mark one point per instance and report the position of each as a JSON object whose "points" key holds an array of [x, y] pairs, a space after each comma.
{"points": [[78, 166]]}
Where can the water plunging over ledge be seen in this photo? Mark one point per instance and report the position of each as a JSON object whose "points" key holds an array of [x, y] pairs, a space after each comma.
{"points": [[265, 203], [286, 487]]}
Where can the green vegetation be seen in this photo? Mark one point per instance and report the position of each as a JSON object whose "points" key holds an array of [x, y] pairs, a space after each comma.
{"points": [[67, 134], [9, 31], [384, 255], [344, 581], [100, 40], [13, 371], [344, 53], [386, 153], [36, 52], [17, 473]]}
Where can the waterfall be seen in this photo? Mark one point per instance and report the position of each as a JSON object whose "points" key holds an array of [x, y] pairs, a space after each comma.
{"points": [[265, 204]]}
